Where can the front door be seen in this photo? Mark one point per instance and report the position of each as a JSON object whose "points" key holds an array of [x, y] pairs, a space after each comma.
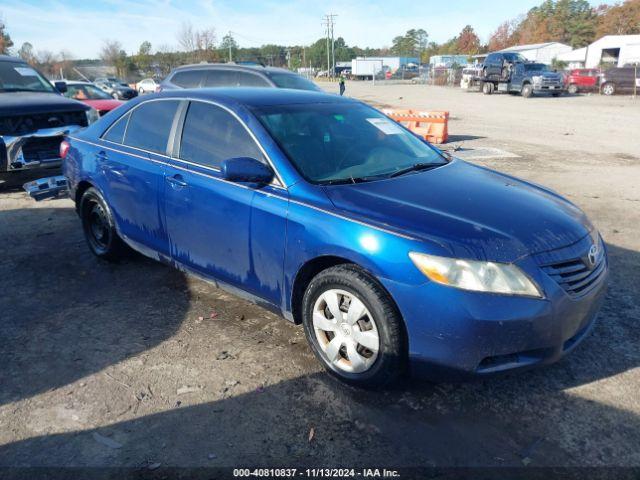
{"points": [[219, 228]]}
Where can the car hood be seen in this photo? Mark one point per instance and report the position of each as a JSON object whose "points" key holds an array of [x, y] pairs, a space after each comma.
{"points": [[552, 75], [472, 211], [26, 103], [107, 105]]}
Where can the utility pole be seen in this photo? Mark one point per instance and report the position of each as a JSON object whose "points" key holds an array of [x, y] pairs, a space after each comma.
{"points": [[289, 58], [331, 59], [230, 45]]}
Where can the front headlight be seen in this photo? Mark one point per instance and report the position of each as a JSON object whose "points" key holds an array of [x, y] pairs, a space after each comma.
{"points": [[92, 116], [504, 278]]}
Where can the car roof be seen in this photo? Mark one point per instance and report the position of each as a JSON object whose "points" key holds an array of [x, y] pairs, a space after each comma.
{"points": [[8, 58], [232, 66], [256, 97]]}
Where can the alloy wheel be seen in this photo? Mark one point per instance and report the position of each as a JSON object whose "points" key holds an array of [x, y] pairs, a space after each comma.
{"points": [[346, 331]]}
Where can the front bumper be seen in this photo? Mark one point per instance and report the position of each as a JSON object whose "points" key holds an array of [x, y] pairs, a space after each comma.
{"points": [[35, 150], [454, 333]]}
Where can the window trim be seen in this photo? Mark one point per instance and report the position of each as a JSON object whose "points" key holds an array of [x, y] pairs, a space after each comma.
{"points": [[124, 134], [173, 135]]}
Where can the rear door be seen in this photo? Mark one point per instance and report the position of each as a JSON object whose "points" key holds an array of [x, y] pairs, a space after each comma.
{"points": [[229, 231], [133, 163]]}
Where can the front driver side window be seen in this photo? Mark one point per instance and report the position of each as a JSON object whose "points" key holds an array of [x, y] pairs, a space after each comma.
{"points": [[211, 135]]}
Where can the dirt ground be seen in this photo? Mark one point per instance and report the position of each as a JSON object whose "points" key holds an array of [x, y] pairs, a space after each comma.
{"points": [[137, 365]]}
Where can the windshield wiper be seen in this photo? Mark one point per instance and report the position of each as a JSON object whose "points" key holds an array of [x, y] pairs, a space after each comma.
{"points": [[345, 181], [417, 167]]}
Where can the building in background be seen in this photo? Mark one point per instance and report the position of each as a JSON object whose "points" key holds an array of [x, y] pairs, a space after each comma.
{"points": [[574, 58], [540, 52], [614, 50]]}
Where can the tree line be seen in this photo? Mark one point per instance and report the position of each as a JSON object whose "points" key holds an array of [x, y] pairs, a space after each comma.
{"points": [[574, 22]]}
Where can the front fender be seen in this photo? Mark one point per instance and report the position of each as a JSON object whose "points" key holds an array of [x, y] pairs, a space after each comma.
{"points": [[314, 233]]}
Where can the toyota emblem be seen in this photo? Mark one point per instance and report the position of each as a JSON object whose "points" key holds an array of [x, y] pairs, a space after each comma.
{"points": [[592, 256]]}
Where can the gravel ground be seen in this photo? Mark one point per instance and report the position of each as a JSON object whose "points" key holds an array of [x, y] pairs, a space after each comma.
{"points": [[137, 365]]}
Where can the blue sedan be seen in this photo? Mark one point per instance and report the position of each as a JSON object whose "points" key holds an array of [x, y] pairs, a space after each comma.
{"points": [[393, 255]]}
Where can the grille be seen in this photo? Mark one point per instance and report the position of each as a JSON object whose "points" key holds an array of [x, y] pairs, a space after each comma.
{"points": [[577, 277], [40, 149], [24, 124]]}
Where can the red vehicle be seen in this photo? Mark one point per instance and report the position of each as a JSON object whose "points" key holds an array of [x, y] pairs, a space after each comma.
{"points": [[582, 80], [91, 95]]}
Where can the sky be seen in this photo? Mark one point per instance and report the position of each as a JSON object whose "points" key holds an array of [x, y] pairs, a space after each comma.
{"points": [[80, 27]]}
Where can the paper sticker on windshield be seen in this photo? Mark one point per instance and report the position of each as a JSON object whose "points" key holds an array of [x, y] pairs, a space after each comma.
{"points": [[388, 127], [26, 71]]}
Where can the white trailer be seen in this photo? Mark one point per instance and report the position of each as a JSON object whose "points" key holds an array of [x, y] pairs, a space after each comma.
{"points": [[366, 68]]}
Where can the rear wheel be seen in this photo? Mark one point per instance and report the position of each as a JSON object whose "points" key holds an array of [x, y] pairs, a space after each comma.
{"points": [[99, 227], [608, 88], [487, 88], [353, 327], [572, 89], [527, 90]]}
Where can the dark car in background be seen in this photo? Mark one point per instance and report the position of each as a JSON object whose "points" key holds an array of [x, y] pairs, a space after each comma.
{"points": [[497, 65], [234, 75], [117, 88], [34, 116], [620, 80]]}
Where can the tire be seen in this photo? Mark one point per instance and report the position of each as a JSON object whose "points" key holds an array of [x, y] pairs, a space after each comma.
{"points": [[141, 91], [608, 89], [572, 89], [114, 96], [527, 90], [487, 88], [379, 316], [99, 227], [556, 94]]}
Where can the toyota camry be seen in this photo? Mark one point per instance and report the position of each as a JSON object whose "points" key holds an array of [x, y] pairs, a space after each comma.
{"points": [[394, 256]]}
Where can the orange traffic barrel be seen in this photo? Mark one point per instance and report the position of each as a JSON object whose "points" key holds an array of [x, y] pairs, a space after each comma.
{"points": [[433, 126]]}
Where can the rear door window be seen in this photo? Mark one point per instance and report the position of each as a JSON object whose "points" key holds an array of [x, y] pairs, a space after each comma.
{"points": [[221, 78], [211, 135], [150, 125], [247, 79], [188, 79]]}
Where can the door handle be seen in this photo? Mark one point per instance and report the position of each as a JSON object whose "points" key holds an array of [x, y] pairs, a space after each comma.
{"points": [[101, 156], [177, 181]]}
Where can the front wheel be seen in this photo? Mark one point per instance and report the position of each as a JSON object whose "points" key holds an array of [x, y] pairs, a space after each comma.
{"points": [[99, 227], [572, 89], [115, 96], [353, 327], [527, 90], [609, 89]]}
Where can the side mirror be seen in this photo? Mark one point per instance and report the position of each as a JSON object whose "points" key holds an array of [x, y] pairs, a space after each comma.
{"points": [[61, 87], [246, 170]]}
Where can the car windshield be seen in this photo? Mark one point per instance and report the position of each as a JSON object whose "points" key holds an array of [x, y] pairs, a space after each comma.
{"points": [[333, 143], [536, 67], [17, 77], [86, 92], [290, 80]]}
